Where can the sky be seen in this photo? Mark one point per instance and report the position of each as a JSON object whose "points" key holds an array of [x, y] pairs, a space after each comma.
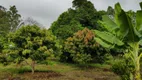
{"points": [[47, 11]]}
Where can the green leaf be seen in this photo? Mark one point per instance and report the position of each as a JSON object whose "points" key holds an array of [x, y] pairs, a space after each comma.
{"points": [[121, 21], [26, 51], [102, 43], [109, 37], [126, 27], [140, 42], [132, 36], [117, 8], [139, 20], [109, 24]]}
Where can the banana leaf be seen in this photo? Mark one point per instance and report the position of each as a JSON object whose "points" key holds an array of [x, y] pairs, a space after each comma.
{"points": [[108, 37]]}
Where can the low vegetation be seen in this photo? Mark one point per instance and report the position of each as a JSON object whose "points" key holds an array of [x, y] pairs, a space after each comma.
{"points": [[61, 71]]}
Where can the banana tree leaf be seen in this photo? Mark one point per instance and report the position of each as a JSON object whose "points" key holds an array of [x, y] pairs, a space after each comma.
{"points": [[103, 43], [109, 37], [121, 21], [126, 27], [139, 20], [140, 42], [109, 24], [132, 36], [117, 8]]}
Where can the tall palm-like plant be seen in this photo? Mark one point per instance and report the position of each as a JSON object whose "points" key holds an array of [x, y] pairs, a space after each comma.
{"points": [[123, 31]]}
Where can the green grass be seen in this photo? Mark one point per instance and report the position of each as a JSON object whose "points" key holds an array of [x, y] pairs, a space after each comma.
{"points": [[60, 71]]}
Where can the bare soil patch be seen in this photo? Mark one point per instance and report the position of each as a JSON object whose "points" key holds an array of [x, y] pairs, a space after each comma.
{"points": [[40, 75]]}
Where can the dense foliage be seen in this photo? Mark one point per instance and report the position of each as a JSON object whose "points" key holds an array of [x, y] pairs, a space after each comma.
{"points": [[82, 48], [124, 67], [30, 42], [79, 47], [80, 35], [83, 14], [123, 31]]}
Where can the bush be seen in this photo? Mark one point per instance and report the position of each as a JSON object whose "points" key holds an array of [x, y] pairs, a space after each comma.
{"points": [[79, 47], [65, 57], [78, 58], [81, 58], [108, 59], [123, 67], [101, 55], [82, 48]]}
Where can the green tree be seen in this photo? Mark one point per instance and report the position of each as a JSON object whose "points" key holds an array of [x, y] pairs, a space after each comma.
{"points": [[4, 26], [78, 3], [66, 30], [123, 32], [83, 14], [86, 13], [80, 47], [30, 43], [9, 20], [13, 17]]}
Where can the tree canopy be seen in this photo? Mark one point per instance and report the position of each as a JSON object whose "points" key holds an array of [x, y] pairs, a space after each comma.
{"points": [[9, 19], [83, 14], [30, 42]]}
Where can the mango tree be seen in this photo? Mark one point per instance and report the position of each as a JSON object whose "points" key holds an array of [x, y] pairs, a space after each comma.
{"points": [[79, 47], [122, 31], [30, 44]]}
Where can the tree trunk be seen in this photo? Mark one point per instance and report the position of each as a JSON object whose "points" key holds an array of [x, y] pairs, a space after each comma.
{"points": [[136, 59], [137, 70], [33, 66]]}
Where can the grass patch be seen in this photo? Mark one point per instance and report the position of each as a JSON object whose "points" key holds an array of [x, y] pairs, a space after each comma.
{"points": [[60, 71]]}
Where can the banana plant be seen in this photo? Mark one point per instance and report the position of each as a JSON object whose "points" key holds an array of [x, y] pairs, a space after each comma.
{"points": [[121, 31]]}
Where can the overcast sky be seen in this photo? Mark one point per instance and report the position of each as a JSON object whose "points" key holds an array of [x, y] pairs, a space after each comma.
{"points": [[47, 11]]}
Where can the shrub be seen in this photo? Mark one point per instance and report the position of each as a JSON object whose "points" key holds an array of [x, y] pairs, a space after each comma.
{"points": [[81, 58], [108, 59], [79, 47], [82, 48], [123, 67]]}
